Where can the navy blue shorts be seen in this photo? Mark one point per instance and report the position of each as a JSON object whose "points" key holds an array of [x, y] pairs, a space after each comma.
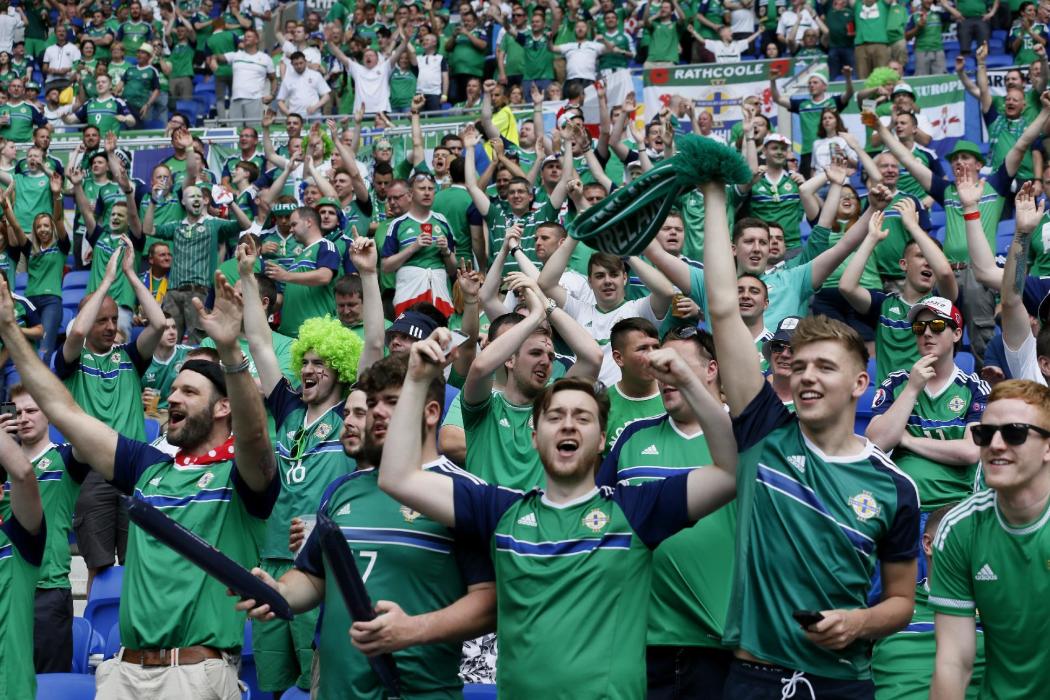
{"points": [[686, 673], [753, 681]]}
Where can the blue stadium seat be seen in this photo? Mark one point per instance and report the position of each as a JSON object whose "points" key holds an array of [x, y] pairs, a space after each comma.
{"points": [[103, 605], [56, 437], [65, 686], [999, 60], [191, 108], [295, 694], [937, 218], [863, 417], [71, 298], [248, 675], [1003, 235], [112, 645], [965, 361], [82, 633], [76, 279], [479, 691], [152, 430]]}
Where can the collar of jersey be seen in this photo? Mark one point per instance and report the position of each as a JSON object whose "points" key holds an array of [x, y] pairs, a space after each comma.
{"points": [[864, 453], [569, 504]]}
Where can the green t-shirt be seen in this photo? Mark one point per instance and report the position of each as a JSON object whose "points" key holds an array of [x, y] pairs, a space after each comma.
{"points": [[167, 601], [612, 60], [402, 556], [956, 248], [902, 664], [513, 55], [871, 23], [888, 252], [453, 203], [139, 83], [96, 32], [931, 36], [896, 18], [838, 22], [539, 60], [32, 197], [107, 386], [1002, 135], [195, 248], [103, 113], [499, 442], [46, 268], [24, 119], [973, 8], [809, 111], [941, 416], [625, 409], [402, 89], [219, 43], [104, 243], [693, 569], [161, 373], [779, 202], [302, 303], [133, 34], [663, 41], [500, 218], [181, 59], [58, 477], [18, 578], [982, 562], [465, 58]]}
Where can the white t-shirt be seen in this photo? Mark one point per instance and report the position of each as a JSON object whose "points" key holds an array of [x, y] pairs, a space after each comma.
{"points": [[430, 68], [1023, 362], [581, 59], [250, 71], [312, 54], [726, 53], [790, 18], [600, 324], [60, 57], [742, 21], [822, 151], [10, 23], [576, 285], [302, 90], [371, 86]]}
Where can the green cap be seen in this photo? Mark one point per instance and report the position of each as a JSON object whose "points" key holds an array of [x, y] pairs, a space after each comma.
{"points": [[964, 146], [329, 201]]}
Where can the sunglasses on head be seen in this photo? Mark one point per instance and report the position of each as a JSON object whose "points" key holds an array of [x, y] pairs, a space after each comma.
{"points": [[937, 325], [1013, 433]]}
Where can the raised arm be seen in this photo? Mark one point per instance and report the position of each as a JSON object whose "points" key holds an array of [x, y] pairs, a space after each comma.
{"points": [[849, 284], [470, 175], [364, 256], [774, 92], [740, 372], [828, 261], [660, 288], [271, 154], [967, 82], [26, 505], [84, 206], [922, 174], [85, 318], [984, 93], [1027, 138], [256, 329], [148, 339], [478, 385], [1027, 215], [581, 343], [982, 262]]}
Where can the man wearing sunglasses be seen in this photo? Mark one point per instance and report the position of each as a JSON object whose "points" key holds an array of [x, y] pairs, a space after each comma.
{"points": [[991, 555], [776, 354], [924, 416]]}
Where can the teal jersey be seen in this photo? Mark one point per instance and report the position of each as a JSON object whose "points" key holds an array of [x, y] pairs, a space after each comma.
{"points": [[565, 618], [943, 415], [32, 197], [499, 443], [21, 555], [789, 291], [167, 601], [812, 529], [309, 457], [24, 118], [301, 302], [107, 386], [46, 268], [625, 409], [779, 202], [58, 476], [902, 663], [693, 569], [402, 556], [983, 562], [287, 248], [161, 373]]}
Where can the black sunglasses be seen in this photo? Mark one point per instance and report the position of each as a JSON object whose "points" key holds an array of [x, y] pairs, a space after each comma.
{"points": [[779, 346], [1013, 433], [684, 332], [937, 325]]}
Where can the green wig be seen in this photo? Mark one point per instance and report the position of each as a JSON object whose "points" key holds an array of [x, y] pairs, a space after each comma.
{"points": [[882, 76], [326, 139], [624, 222], [338, 346]]}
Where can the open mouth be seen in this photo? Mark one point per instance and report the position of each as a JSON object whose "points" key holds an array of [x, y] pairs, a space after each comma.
{"points": [[309, 383], [810, 395], [567, 448], [175, 417], [926, 275]]}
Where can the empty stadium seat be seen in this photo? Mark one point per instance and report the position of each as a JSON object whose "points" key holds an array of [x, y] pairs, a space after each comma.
{"points": [[152, 429], [76, 279], [112, 645], [248, 675], [65, 686], [192, 110], [21, 279], [82, 634], [103, 605], [71, 298], [965, 362], [479, 691]]}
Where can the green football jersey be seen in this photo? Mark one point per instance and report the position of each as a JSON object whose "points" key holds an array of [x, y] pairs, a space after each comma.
{"points": [[941, 416], [139, 83], [809, 111], [287, 248], [499, 443], [105, 194], [906, 182], [195, 248], [664, 44], [309, 457], [812, 529], [59, 477], [32, 197], [161, 373], [990, 207], [133, 33], [24, 117], [539, 59], [572, 583], [46, 268], [779, 202], [302, 303], [405, 557], [104, 245], [20, 558], [167, 601], [612, 60], [500, 218], [624, 409], [902, 664], [405, 230], [103, 113], [888, 252], [1002, 135], [107, 386], [453, 203], [693, 569], [982, 562], [513, 55], [895, 345]]}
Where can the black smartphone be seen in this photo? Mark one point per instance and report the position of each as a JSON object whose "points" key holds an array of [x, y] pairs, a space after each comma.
{"points": [[807, 618], [7, 408]]}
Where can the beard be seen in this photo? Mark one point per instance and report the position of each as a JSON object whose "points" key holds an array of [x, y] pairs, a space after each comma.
{"points": [[371, 452], [193, 431]]}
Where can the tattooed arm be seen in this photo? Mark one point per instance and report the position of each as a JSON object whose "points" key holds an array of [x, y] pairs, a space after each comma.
{"points": [[1016, 327]]}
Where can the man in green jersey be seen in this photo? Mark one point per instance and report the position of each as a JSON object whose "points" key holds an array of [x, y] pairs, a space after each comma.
{"points": [[179, 633], [619, 46], [925, 415], [926, 27], [104, 378], [308, 281], [774, 194], [19, 118], [966, 160], [990, 552], [23, 550], [141, 84], [497, 423], [134, 30], [32, 188], [562, 555], [636, 395], [810, 108], [432, 590], [164, 366], [902, 664], [105, 111], [926, 273], [806, 486], [59, 477], [693, 570], [510, 55], [195, 242], [309, 457]]}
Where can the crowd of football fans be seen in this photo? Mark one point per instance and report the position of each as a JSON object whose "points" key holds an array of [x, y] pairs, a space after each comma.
{"points": [[792, 447]]}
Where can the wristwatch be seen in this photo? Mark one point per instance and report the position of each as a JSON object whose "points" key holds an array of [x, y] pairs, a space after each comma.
{"points": [[515, 249], [551, 307]]}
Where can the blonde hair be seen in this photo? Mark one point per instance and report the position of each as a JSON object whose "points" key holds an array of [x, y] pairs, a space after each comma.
{"points": [[1031, 393], [816, 329]]}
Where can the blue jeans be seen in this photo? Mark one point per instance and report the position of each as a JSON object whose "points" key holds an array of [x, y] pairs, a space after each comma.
{"points": [[839, 56], [526, 86], [49, 308]]}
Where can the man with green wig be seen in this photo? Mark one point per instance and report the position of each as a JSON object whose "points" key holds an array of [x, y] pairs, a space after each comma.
{"points": [[309, 457]]}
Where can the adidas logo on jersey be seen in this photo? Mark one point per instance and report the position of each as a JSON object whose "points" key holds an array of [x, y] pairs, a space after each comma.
{"points": [[155, 481], [344, 510], [504, 423], [985, 574], [529, 520], [651, 450], [798, 462]]}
